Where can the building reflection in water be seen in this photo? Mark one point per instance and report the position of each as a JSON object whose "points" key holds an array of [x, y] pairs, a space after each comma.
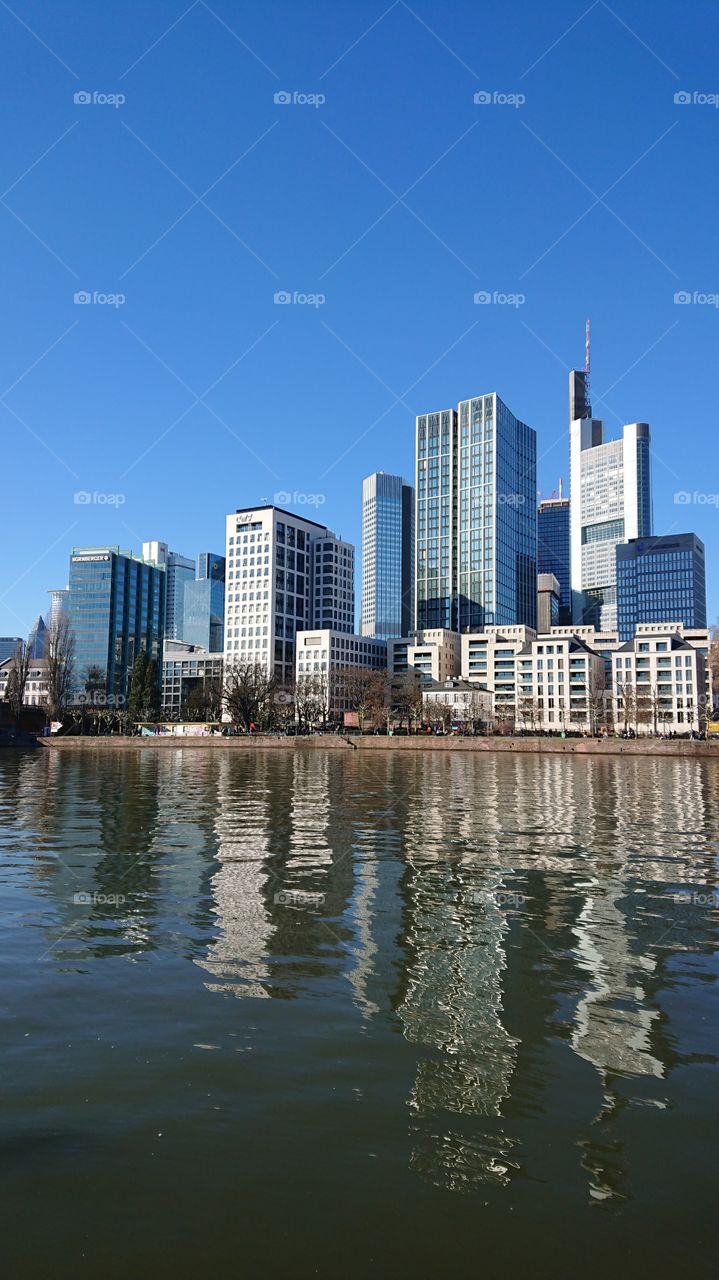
{"points": [[496, 909]]}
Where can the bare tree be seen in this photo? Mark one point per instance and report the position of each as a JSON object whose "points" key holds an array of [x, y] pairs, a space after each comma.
{"points": [[17, 678], [311, 700], [60, 664], [626, 693], [406, 696], [365, 690], [248, 694]]}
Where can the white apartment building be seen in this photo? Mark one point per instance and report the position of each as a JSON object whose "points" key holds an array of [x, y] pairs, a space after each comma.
{"points": [[323, 655], [468, 704], [268, 584], [583, 680], [433, 653], [661, 680], [333, 583], [36, 686], [488, 659]]}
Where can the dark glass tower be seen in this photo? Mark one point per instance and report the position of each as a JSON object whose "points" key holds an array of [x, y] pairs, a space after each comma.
{"points": [[661, 579], [387, 557], [554, 550]]}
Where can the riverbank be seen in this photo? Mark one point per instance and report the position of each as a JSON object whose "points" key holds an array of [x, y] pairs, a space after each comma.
{"points": [[335, 742]]}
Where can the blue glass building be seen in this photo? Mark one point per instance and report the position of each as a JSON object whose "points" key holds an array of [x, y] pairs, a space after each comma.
{"points": [[554, 550], [116, 606], [661, 579], [476, 517], [203, 610], [387, 557]]}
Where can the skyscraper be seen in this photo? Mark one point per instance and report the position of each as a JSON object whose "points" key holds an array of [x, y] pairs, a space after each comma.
{"points": [[116, 607], [333, 583], [661, 579], [203, 610], [611, 501], [387, 556], [269, 591], [476, 517], [554, 549], [179, 570]]}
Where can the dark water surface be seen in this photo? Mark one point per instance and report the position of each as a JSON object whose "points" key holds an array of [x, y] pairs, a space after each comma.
{"points": [[331, 1014]]}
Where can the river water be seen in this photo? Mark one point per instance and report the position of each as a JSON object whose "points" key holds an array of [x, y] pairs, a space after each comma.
{"points": [[341, 1014]]}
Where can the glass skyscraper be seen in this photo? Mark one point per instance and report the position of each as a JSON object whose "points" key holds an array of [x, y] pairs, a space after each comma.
{"points": [[476, 517], [554, 550], [116, 606], [661, 579], [203, 609], [387, 557], [179, 571]]}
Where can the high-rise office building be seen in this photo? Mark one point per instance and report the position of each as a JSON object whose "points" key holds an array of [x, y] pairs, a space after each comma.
{"points": [[611, 501], [387, 605], [332, 583], [116, 606], [269, 589], [554, 549], [179, 570], [661, 579], [8, 645], [37, 640], [476, 517], [58, 603], [203, 611]]}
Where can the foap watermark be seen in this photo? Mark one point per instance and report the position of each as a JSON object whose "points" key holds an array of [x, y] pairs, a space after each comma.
{"points": [[694, 899], [695, 98], [296, 98], [83, 298], [299, 898], [99, 699], [684, 499], [511, 499], [483, 298], [94, 98], [495, 98], [99, 899], [283, 298], [683, 298], [499, 898], [283, 498], [83, 498]]}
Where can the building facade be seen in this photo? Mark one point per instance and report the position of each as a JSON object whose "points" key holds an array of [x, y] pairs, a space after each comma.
{"points": [[8, 645], [387, 601], [554, 549], [116, 606], [548, 597], [476, 522], [431, 654], [203, 608], [660, 684], [659, 578], [333, 583], [269, 588], [323, 655], [185, 669], [179, 570], [611, 502], [468, 705], [36, 685]]}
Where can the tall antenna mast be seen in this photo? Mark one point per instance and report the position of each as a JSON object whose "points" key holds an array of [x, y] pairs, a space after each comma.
{"points": [[587, 336]]}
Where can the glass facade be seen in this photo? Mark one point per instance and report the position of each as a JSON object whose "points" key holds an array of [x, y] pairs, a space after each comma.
{"points": [[116, 605], [476, 518], [661, 579], [387, 557], [554, 550]]}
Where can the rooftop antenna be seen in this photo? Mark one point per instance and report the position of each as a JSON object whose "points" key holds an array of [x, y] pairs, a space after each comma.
{"points": [[587, 358], [560, 488]]}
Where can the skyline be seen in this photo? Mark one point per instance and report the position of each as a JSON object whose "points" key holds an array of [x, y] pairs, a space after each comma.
{"points": [[89, 387]]}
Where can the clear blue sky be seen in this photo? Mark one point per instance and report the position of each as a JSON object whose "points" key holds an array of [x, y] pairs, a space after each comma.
{"points": [[396, 199]]}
